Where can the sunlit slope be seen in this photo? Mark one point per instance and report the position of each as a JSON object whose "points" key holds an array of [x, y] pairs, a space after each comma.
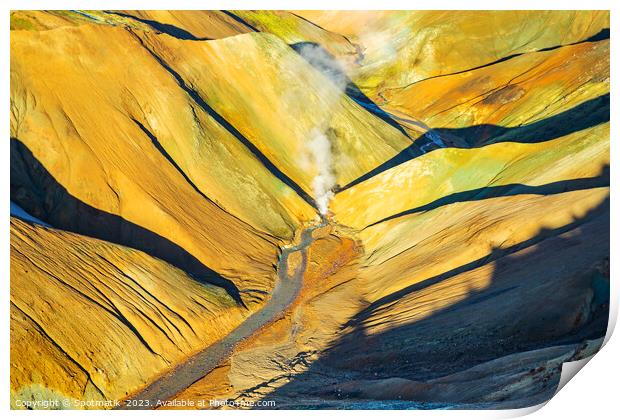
{"points": [[453, 174], [293, 29], [523, 90], [42, 20], [416, 247], [281, 107], [129, 141], [276, 119], [189, 24], [34, 20], [537, 118], [183, 24], [402, 48], [91, 320]]}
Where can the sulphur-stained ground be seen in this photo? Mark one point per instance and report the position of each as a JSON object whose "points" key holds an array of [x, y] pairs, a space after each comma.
{"points": [[306, 209]]}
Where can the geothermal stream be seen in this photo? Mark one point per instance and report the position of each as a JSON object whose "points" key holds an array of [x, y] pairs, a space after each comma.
{"points": [[182, 376]]}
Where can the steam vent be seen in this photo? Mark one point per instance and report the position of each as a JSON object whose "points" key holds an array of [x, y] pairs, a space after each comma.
{"points": [[309, 209]]}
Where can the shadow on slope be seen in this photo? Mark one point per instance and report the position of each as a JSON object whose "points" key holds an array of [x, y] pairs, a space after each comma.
{"points": [[585, 115], [547, 291], [559, 187], [165, 28], [35, 190], [239, 20]]}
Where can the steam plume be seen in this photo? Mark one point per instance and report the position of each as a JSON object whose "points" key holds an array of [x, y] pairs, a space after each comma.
{"points": [[323, 183], [319, 145]]}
